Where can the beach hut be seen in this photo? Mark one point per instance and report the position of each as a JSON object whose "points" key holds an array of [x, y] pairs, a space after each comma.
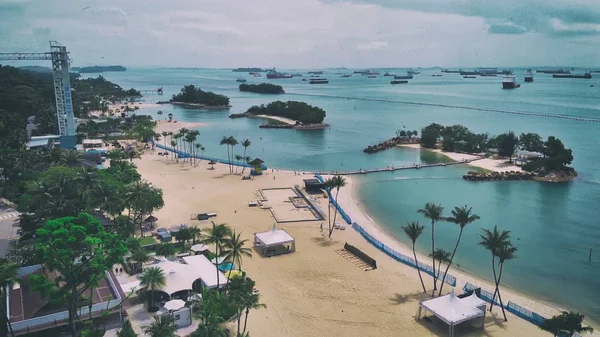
{"points": [[258, 166], [274, 242], [454, 311], [313, 185]]}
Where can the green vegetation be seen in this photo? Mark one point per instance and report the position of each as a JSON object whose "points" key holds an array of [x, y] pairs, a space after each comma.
{"points": [[152, 279], [334, 183], [162, 326], [8, 277], [556, 158], [126, 330], [195, 95], [263, 88], [98, 69], [80, 251], [413, 230], [298, 111], [566, 324], [455, 138], [434, 213]]}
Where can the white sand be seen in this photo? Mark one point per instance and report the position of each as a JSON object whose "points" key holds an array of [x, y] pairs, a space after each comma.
{"points": [[497, 165], [314, 291], [175, 126], [277, 118]]}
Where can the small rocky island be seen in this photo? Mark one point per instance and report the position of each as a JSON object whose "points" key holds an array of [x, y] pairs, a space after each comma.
{"points": [[98, 69], [402, 137], [263, 88], [287, 115], [196, 98]]}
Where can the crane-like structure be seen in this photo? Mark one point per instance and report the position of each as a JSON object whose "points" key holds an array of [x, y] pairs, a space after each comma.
{"points": [[62, 88]]}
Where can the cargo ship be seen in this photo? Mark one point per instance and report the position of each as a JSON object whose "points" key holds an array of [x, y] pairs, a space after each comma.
{"points": [[587, 75], [372, 76], [469, 76], [554, 71], [316, 72], [436, 75], [366, 72], [452, 71], [488, 75], [398, 82], [403, 77], [470, 72], [528, 76], [255, 74], [241, 80], [387, 73], [346, 76], [318, 81], [510, 82], [413, 72], [275, 74]]}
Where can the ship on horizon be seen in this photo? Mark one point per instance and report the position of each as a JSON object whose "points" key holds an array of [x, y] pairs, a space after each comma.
{"points": [[275, 74], [510, 82], [553, 71], [366, 72], [528, 76], [587, 75]]}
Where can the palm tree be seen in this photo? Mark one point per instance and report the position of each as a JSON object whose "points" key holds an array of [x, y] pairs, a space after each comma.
{"points": [[567, 323], [8, 277], [232, 142], [336, 182], [434, 213], [461, 216], [442, 256], [225, 141], [251, 302], [238, 158], [70, 158], [217, 235], [505, 252], [174, 146], [493, 241], [165, 134], [165, 249], [163, 326], [234, 247], [159, 113], [152, 278], [245, 143], [140, 256], [198, 146], [413, 230], [196, 233]]}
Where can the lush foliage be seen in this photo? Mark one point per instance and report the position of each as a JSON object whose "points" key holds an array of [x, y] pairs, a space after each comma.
{"points": [[126, 330], [152, 279], [531, 142], [430, 135], [556, 157], [80, 251], [263, 88], [193, 94], [162, 326], [298, 111], [506, 144], [99, 69], [454, 138], [566, 324]]}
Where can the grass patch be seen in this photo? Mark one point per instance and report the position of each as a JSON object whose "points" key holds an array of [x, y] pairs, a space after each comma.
{"points": [[147, 241]]}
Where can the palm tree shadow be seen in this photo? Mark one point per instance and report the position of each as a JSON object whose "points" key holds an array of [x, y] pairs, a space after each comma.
{"points": [[324, 241], [494, 319], [403, 298]]}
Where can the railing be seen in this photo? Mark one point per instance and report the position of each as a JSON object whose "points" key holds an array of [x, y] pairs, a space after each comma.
{"points": [[183, 154], [449, 279], [485, 295]]}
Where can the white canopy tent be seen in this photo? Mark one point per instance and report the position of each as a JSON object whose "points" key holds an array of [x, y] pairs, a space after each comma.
{"points": [[199, 248], [205, 271], [453, 310], [269, 241]]}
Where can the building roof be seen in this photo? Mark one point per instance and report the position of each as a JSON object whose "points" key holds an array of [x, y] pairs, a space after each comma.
{"points": [[451, 309], [38, 143], [205, 271], [178, 276], [473, 301], [92, 141], [274, 237], [256, 161], [312, 182]]}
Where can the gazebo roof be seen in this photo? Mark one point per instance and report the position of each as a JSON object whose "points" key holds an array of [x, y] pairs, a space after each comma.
{"points": [[274, 237], [256, 161], [452, 309]]}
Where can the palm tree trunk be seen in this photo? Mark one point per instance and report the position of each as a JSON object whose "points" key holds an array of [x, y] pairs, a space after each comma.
{"points": [[246, 320], [228, 160], [4, 314], [334, 212], [449, 263], [217, 264], [244, 167], [498, 291], [418, 270], [495, 280], [433, 257], [239, 319]]}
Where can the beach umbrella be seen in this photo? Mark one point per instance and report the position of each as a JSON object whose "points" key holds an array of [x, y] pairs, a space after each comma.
{"points": [[151, 219], [199, 247], [175, 304], [233, 274]]}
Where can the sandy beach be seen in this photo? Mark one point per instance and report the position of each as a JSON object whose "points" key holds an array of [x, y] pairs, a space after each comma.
{"points": [[277, 118], [175, 126], [313, 291], [496, 165]]}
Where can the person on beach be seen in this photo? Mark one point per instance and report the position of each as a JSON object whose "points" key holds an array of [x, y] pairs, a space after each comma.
{"points": [[321, 227]]}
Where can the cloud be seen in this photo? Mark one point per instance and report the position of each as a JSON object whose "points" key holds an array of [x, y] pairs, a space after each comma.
{"points": [[372, 45], [506, 28]]}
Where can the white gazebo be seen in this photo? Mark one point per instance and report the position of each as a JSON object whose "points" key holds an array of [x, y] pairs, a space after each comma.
{"points": [[274, 242], [453, 310], [205, 271]]}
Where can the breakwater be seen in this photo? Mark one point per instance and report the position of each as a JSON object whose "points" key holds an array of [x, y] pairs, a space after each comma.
{"points": [[524, 113], [508, 175], [388, 144], [399, 168]]}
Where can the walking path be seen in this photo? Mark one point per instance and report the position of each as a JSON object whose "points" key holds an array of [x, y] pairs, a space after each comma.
{"points": [[398, 168]]}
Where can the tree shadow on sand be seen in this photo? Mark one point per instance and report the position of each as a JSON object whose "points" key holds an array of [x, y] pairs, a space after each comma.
{"points": [[403, 298], [324, 241]]}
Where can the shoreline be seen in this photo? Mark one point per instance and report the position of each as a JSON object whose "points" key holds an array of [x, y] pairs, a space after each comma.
{"points": [[495, 165], [201, 106], [163, 125], [360, 214]]}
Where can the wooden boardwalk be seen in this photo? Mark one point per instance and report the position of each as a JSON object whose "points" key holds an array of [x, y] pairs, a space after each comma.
{"points": [[399, 168]]}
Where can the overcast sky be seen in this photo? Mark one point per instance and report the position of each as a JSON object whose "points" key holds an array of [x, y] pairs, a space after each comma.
{"points": [[308, 33]]}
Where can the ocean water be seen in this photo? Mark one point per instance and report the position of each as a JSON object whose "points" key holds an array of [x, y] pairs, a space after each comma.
{"points": [[553, 225]]}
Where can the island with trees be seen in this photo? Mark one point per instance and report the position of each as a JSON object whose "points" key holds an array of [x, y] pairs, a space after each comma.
{"points": [[249, 70], [402, 137], [542, 160], [194, 97], [263, 88], [98, 69], [288, 115]]}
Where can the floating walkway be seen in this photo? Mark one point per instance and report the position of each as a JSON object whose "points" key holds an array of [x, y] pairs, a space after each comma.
{"points": [[183, 154], [533, 114], [399, 168]]}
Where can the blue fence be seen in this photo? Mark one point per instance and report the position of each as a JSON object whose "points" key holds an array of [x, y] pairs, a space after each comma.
{"points": [[183, 154], [451, 280]]}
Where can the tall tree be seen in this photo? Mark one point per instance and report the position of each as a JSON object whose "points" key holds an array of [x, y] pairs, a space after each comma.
{"points": [[162, 326], [337, 182], [461, 216], [225, 141], [142, 200], [231, 141], [433, 212], [413, 230], [79, 251], [217, 235], [245, 143], [8, 277], [152, 279], [237, 159], [507, 144], [442, 256], [505, 253], [234, 247], [251, 302], [567, 323], [493, 241], [196, 233]]}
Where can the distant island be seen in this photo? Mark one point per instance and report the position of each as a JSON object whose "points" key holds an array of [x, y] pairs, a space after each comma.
{"points": [[263, 88], [249, 70], [194, 97], [288, 115], [98, 69], [37, 69]]}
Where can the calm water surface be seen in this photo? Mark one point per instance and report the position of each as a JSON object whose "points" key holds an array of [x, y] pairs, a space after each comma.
{"points": [[553, 225]]}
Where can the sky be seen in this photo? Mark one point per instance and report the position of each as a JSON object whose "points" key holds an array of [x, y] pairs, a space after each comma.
{"points": [[308, 33]]}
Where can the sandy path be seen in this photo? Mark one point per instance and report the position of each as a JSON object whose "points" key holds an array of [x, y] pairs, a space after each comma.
{"points": [[314, 291]]}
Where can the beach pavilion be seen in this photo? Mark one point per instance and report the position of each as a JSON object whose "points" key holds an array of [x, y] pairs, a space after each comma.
{"points": [[274, 242], [453, 310]]}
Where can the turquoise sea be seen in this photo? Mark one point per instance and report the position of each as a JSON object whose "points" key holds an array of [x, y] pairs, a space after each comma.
{"points": [[553, 225]]}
